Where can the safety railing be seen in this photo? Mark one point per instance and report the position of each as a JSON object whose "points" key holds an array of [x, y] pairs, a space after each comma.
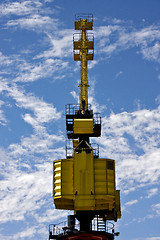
{"points": [[109, 226], [62, 227], [96, 118], [80, 16], [72, 109]]}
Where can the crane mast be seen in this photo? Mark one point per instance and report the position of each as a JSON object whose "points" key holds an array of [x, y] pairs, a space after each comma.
{"points": [[84, 69], [83, 182]]}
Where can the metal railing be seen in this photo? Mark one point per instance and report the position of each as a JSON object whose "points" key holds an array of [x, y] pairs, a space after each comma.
{"points": [[72, 109], [80, 16], [62, 227], [96, 118], [109, 226]]}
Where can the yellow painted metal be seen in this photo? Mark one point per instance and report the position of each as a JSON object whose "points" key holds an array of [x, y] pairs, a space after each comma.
{"points": [[104, 176], [76, 57], [83, 126], [63, 184], [89, 25], [83, 45], [84, 77], [118, 204], [85, 183], [57, 189]]}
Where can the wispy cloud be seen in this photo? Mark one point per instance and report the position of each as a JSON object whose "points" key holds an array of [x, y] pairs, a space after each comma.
{"points": [[132, 202], [115, 38], [118, 74], [20, 8], [43, 112], [4, 60], [34, 22], [31, 188], [97, 108], [61, 45], [31, 15], [150, 238], [32, 72], [3, 119], [156, 209], [152, 192], [133, 140]]}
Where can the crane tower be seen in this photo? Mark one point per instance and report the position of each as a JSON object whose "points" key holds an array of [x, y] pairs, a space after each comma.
{"points": [[83, 182]]}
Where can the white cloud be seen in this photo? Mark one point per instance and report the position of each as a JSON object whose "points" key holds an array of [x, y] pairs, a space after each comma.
{"points": [[34, 22], [75, 96], [51, 215], [43, 112], [153, 238], [61, 44], [29, 188], [132, 139], [150, 238], [20, 8], [39, 143], [32, 72], [152, 192], [118, 74], [114, 38], [40, 113], [24, 189], [4, 60], [157, 99], [92, 64], [152, 53], [132, 202], [156, 209], [92, 99], [29, 232], [3, 119]]}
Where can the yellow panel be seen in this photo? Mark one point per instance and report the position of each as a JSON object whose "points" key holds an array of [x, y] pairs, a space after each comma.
{"points": [[90, 44], [77, 45], [100, 177], [104, 177], [57, 178], [89, 25], [84, 202], [88, 184], [105, 202], [76, 57], [83, 126], [64, 203], [118, 204], [90, 57], [67, 177], [63, 184], [84, 181]]}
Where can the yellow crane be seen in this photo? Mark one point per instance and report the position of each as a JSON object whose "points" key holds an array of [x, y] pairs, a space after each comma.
{"points": [[83, 182]]}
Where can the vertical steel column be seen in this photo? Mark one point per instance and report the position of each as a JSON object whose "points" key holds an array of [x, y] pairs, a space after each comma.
{"points": [[84, 71]]}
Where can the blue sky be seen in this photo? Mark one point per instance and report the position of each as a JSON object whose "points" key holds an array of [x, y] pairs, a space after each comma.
{"points": [[38, 76]]}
